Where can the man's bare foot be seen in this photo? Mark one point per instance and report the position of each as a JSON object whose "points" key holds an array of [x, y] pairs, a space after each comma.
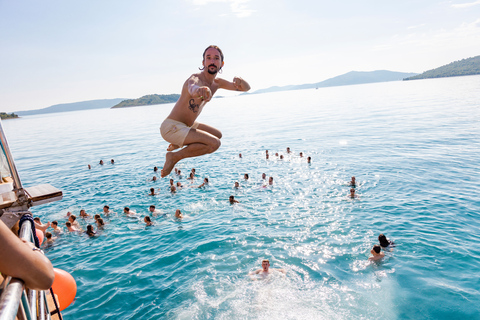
{"points": [[172, 147], [169, 164]]}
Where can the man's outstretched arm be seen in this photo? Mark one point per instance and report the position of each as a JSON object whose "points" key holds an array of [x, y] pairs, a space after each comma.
{"points": [[238, 84]]}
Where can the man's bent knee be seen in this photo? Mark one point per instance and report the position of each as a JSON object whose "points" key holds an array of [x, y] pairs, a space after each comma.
{"points": [[214, 145]]}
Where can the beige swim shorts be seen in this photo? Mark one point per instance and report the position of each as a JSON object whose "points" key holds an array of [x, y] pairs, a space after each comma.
{"points": [[175, 132]]}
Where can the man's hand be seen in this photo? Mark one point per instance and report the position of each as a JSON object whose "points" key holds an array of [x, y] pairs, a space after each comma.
{"points": [[203, 93], [240, 84]]}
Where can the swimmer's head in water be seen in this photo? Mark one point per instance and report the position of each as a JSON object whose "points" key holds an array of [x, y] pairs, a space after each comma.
{"points": [[376, 248], [178, 213], [383, 240], [265, 264]]}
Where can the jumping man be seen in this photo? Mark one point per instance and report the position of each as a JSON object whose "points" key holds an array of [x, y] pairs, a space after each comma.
{"points": [[180, 127]]}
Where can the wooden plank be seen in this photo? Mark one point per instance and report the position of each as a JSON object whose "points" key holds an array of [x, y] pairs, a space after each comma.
{"points": [[40, 194], [43, 192]]}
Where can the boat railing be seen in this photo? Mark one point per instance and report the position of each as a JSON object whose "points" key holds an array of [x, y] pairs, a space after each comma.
{"points": [[17, 183], [14, 299], [14, 198]]}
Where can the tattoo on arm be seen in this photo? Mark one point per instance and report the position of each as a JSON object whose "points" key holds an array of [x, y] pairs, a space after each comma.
{"points": [[192, 106]]}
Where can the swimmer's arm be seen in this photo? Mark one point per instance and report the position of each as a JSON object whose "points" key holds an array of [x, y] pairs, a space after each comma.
{"points": [[42, 227], [238, 84], [255, 272], [282, 271], [31, 266]]}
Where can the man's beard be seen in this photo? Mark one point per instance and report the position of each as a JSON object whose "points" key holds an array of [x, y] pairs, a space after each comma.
{"points": [[212, 72]]}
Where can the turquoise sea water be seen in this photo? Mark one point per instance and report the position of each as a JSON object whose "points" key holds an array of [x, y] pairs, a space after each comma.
{"points": [[413, 147]]}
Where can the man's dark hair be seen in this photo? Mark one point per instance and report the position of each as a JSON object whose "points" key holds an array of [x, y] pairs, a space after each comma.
{"points": [[376, 248], [215, 47]]}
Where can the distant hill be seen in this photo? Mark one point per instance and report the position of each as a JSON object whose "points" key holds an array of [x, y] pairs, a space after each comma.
{"points": [[64, 107], [465, 67], [148, 100], [350, 78], [4, 115]]}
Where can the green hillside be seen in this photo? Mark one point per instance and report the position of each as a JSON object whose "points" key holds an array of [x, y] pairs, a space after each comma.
{"points": [[465, 67], [4, 115], [148, 100]]}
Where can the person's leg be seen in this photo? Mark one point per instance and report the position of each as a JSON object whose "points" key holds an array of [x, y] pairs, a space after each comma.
{"points": [[209, 129], [203, 127], [198, 142]]}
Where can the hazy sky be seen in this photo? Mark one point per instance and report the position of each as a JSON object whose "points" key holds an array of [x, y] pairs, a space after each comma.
{"points": [[60, 51]]}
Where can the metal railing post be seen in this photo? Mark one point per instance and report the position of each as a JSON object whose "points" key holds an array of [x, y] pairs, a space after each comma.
{"points": [[8, 155]]}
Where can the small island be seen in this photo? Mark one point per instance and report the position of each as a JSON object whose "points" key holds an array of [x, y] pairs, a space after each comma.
{"points": [[5, 115], [150, 99], [464, 67]]}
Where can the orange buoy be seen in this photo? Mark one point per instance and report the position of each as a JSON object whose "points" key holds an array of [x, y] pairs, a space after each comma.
{"points": [[40, 235], [65, 287]]}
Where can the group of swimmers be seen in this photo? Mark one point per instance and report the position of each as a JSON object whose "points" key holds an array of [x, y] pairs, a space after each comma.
{"points": [[267, 155], [102, 163], [72, 224], [376, 251]]}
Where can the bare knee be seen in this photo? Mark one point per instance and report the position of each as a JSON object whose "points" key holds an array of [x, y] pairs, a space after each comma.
{"points": [[214, 145]]}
